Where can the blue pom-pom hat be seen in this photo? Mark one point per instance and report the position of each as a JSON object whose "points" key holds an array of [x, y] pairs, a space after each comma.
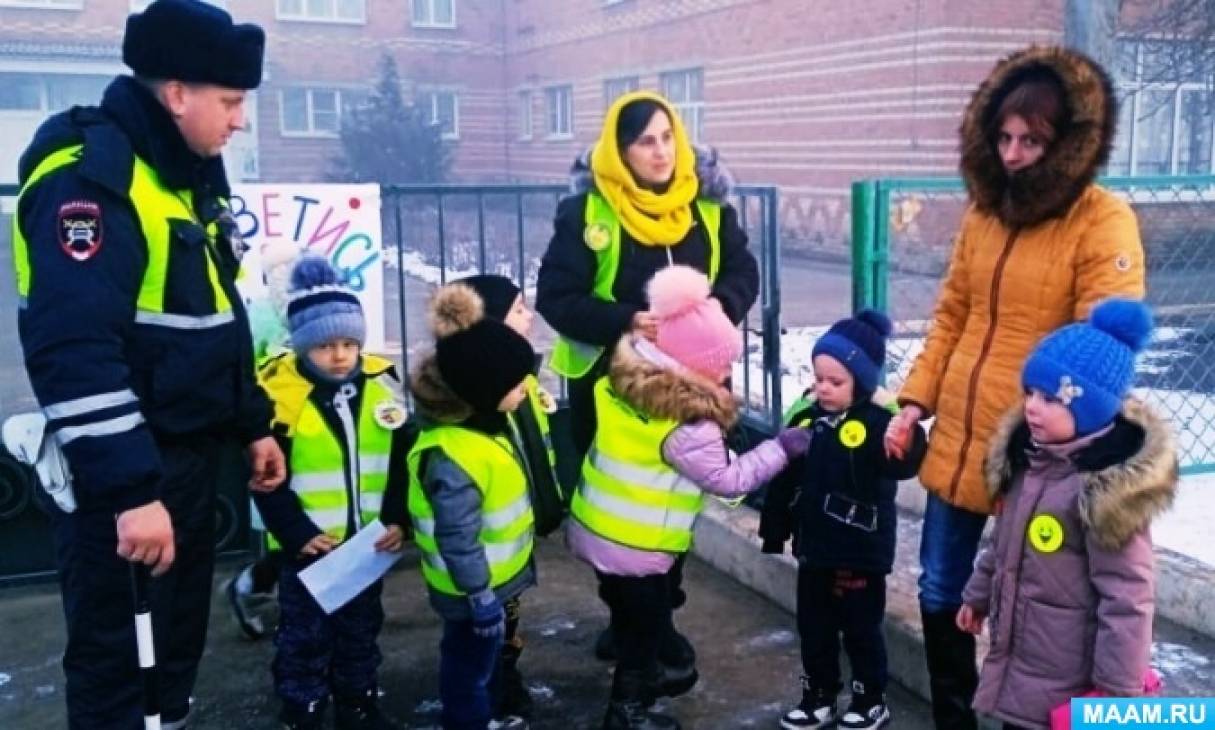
{"points": [[320, 307], [859, 343], [1089, 366]]}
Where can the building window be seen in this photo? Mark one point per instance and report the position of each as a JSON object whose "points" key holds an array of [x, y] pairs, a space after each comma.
{"points": [[323, 11], [311, 112], [560, 110], [525, 114], [1166, 125], [41, 93], [615, 88], [444, 107], [686, 90], [433, 14], [44, 4]]}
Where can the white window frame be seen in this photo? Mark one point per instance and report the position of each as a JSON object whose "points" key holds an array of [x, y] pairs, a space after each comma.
{"points": [[304, 17], [612, 88], [43, 4], [692, 111], [43, 77], [309, 112], [525, 114], [430, 22], [1135, 89], [553, 116], [430, 97]]}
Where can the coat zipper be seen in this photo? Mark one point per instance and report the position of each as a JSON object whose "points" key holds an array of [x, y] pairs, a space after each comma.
{"points": [[968, 423], [341, 404]]}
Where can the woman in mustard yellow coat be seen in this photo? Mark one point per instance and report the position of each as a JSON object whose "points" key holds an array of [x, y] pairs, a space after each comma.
{"points": [[1040, 244]]}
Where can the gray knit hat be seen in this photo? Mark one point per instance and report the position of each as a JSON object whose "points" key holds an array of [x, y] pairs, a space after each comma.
{"points": [[320, 307]]}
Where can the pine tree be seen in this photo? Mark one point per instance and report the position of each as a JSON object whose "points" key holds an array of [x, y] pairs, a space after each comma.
{"points": [[387, 141]]}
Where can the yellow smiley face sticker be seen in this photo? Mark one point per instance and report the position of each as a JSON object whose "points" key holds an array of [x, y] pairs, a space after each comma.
{"points": [[1045, 533], [597, 236], [852, 434]]}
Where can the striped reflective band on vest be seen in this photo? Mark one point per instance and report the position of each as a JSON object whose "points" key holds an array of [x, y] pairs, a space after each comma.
{"points": [[628, 493], [319, 476], [506, 512], [574, 359], [155, 207]]}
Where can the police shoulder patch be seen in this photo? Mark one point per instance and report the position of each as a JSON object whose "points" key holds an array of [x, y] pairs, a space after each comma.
{"points": [[80, 231]]}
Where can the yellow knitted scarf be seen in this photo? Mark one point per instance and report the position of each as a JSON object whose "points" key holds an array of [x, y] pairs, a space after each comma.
{"points": [[653, 219]]}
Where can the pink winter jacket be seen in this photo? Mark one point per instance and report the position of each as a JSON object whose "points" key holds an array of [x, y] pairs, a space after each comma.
{"points": [[697, 450], [1068, 584]]}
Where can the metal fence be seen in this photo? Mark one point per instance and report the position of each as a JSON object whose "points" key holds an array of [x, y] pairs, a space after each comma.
{"points": [[902, 236], [431, 234]]}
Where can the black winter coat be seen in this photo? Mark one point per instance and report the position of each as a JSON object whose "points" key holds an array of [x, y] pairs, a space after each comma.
{"points": [[837, 500], [567, 274]]}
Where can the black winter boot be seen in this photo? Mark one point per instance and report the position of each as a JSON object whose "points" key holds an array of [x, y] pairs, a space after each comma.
{"points": [[627, 709], [515, 699], [952, 675], [303, 717], [361, 712], [669, 681]]}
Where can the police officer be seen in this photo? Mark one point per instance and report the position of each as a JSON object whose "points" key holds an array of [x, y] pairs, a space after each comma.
{"points": [[138, 347]]}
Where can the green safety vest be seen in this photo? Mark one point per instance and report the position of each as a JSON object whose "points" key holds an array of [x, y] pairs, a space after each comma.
{"points": [[155, 206], [506, 512], [574, 359], [320, 475], [628, 493]]}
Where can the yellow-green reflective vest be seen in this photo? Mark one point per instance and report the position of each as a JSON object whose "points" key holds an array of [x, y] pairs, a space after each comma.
{"points": [[155, 206], [506, 512], [628, 493], [540, 409], [326, 485], [574, 359]]}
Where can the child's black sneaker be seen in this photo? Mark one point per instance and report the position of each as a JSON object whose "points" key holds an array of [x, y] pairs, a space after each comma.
{"points": [[867, 711], [816, 710]]}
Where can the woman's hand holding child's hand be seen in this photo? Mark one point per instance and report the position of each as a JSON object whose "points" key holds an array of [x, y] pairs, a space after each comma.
{"points": [[970, 620], [319, 545], [392, 540], [898, 431]]}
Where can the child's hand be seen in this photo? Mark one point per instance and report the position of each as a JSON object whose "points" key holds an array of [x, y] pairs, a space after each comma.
{"points": [[970, 620], [646, 325], [898, 431], [391, 541], [319, 545], [795, 441]]}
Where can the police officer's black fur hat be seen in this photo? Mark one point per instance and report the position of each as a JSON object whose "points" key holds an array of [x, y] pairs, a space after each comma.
{"points": [[190, 40]]}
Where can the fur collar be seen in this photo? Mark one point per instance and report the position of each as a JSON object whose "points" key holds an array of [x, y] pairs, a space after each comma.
{"points": [[1130, 473], [665, 393], [434, 399], [1048, 189], [716, 182]]}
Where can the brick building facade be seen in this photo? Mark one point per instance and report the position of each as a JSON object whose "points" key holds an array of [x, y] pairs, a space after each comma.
{"points": [[807, 96]]}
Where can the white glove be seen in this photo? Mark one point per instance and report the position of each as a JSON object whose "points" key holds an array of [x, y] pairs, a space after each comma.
{"points": [[26, 439]]}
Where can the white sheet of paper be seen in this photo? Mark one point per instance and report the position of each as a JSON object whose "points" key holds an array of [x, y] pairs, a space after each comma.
{"points": [[347, 571]]}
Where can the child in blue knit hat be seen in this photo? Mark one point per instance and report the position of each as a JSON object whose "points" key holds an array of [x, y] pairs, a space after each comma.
{"points": [[1077, 473], [339, 417], [837, 502]]}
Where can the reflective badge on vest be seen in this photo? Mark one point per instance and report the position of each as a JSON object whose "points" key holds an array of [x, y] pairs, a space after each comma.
{"points": [[1045, 533], [547, 401], [80, 229], [852, 434], [597, 236], [390, 414]]}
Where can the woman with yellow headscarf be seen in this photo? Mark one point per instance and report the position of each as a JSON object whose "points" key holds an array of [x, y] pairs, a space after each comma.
{"points": [[645, 199]]}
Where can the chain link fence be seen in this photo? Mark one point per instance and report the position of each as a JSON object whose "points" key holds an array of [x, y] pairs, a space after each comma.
{"points": [[903, 234]]}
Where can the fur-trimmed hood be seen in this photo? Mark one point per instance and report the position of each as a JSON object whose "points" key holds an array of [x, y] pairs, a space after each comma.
{"points": [[1129, 473], [716, 182], [665, 393], [1049, 188], [434, 398]]}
